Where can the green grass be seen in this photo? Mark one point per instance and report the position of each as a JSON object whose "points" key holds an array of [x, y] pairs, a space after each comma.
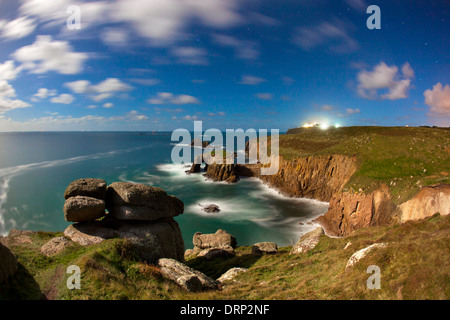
{"points": [[404, 158], [415, 265]]}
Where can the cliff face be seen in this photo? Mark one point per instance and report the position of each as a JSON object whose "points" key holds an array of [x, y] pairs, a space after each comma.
{"points": [[429, 200], [315, 177], [349, 211]]}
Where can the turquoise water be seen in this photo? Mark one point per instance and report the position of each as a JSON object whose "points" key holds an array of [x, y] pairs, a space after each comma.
{"points": [[35, 169]]}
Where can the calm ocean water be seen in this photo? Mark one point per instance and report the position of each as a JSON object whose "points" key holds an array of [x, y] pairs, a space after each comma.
{"points": [[35, 169]]}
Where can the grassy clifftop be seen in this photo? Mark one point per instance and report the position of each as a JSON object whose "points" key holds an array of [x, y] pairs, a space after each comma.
{"points": [[404, 158], [414, 265]]}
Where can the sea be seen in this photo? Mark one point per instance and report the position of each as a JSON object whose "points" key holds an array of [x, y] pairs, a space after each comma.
{"points": [[36, 168]]}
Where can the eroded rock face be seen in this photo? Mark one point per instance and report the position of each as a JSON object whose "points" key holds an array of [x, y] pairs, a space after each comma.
{"points": [[187, 278], [8, 263], [81, 209], [315, 177], [349, 211], [220, 239], [429, 201], [222, 172], [94, 188], [308, 241]]}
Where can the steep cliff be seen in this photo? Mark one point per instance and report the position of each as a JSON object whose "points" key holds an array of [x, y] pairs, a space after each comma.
{"points": [[314, 177]]}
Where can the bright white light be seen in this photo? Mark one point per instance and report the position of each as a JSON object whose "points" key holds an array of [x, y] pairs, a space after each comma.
{"points": [[337, 125], [324, 126]]}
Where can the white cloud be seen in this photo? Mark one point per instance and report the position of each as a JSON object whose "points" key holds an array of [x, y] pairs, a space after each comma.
{"points": [[47, 55], [18, 28], [63, 99], [190, 55], [44, 93], [7, 103], [115, 37], [190, 118], [108, 105], [352, 111], [333, 35], [251, 80], [170, 98], [8, 71], [146, 82], [107, 86], [438, 99], [163, 21], [246, 50], [264, 96], [386, 79]]}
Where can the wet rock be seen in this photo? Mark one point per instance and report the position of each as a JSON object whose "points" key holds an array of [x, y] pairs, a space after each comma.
{"points": [[211, 208]]}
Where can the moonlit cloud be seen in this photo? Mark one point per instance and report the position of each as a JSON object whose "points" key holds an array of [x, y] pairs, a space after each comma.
{"points": [[387, 79], [169, 98], [101, 91], [63, 99], [438, 99], [46, 54], [334, 35], [17, 28], [251, 80]]}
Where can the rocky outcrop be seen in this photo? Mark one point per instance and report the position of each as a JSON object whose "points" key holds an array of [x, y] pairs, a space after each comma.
{"points": [[308, 241], [211, 208], [315, 177], [349, 211], [358, 255], [81, 209], [150, 240], [139, 213], [429, 201], [55, 246], [231, 274], [8, 263], [94, 188], [213, 253], [222, 172], [133, 201], [85, 200], [187, 278], [220, 239], [264, 248]]}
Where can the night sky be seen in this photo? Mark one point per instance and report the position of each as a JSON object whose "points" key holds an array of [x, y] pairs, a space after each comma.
{"points": [[161, 64]]}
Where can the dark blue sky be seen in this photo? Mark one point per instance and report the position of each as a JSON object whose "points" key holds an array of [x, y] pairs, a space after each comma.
{"points": [[160, 64]]}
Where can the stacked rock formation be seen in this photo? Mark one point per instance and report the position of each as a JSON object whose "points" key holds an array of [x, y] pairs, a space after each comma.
{"points": [[140, 213], [210, 246], [85, 200]]}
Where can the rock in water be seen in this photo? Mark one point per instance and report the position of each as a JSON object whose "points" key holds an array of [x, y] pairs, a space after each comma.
{"points": [[220, 239], [308, 241], [82, 209], [8, 263], [211, 208], [187, 278], [94, 188]]}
